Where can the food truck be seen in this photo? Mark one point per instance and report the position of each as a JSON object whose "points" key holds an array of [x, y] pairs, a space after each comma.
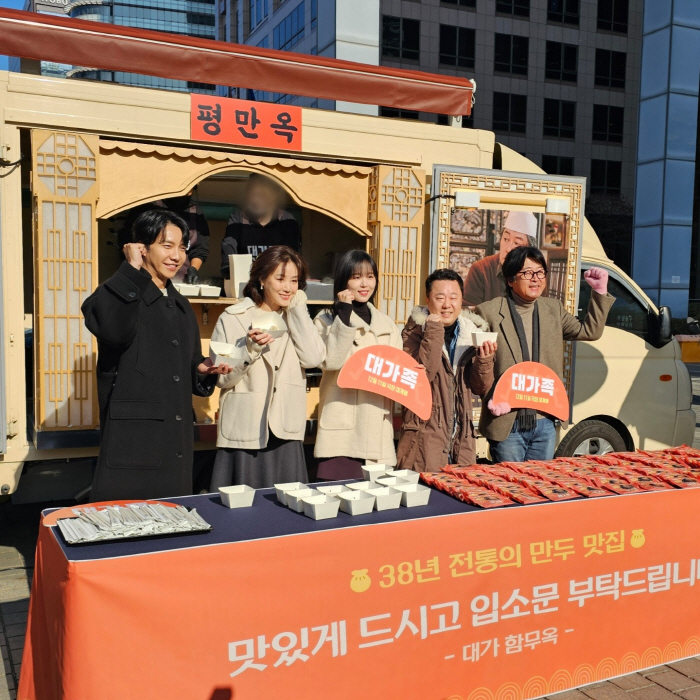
{"points": [[77, 156]]}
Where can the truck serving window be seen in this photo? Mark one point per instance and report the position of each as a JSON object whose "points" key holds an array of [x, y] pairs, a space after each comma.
{"points": [[627, 313]]}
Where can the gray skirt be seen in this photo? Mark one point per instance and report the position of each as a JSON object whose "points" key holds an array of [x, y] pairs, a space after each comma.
{"points": [[281, 461]]}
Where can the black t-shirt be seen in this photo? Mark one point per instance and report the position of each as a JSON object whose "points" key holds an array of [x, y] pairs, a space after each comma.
{"points": [[244, 236]]}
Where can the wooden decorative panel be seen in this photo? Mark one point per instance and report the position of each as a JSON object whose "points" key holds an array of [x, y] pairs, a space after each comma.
{"points": [[65, 192], [396, 218], [528, 192]]}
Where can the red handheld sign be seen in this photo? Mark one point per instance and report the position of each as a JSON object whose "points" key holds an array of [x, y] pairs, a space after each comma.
{"points": [[385, 370], [533, 385]]}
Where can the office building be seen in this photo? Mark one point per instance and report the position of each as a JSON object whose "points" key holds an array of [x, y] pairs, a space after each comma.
{"points": [[557, 80], [666, 260], [344, 29], [189, 17]]}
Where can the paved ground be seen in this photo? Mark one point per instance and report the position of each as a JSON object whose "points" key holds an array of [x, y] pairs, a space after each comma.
{"points": [[18, 531]]}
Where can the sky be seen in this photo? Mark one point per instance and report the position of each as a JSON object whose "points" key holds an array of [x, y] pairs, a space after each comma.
{"points": [[15, 5]]}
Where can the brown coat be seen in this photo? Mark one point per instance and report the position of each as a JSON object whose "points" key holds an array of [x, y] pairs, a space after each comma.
{"points": [[484, 281], [556, 326], [448, 435]]}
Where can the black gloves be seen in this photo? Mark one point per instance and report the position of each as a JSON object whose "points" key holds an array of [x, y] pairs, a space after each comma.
{"points": [[192, 276]]}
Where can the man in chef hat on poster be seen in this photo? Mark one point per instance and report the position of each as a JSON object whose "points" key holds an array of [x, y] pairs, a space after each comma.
{"points": [[485, 280]]}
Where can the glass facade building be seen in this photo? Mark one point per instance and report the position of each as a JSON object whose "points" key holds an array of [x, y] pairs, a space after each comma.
{"points": [[665, 238], [190, 17]]}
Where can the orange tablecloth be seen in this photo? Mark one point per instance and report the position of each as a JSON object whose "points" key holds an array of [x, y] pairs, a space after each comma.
{"points": [[505, 604]]}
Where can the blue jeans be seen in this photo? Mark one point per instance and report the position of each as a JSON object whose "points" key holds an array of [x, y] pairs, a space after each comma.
{"points": [[538, 443]]}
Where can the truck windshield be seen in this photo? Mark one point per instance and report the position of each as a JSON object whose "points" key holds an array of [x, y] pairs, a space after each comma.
{"points": [[627, 314]]}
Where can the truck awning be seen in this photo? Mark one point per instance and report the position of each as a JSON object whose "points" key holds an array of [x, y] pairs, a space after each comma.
{"points": [[112, 47]]}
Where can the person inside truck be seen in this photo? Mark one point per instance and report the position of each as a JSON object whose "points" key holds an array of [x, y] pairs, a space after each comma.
{"points": [[439, 337], [262, 409], [187, 208], [485, 280], [532, 327], [260, 223], [148, 367], [355, 427]]}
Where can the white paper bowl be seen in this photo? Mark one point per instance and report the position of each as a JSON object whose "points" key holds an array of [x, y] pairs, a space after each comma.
{"points": [[372, 471], [480, 337], [332, 490], [188, 290], [390, 480], [321, 507], [356, 502], [385, 498], [295, 499], [414, 495], [265, 321], [360, 486], [223, 353], [407, 475], [237, 496], [281, 490], [208, 290]]}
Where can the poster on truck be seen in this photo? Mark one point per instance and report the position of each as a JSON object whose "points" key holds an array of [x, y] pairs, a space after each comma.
{"points": [[479, 215]]}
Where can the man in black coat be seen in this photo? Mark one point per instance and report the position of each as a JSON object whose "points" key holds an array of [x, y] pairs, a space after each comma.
{"points": [[150, 363]]}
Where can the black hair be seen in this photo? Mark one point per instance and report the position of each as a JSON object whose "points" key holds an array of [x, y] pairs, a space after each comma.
{"points": [[444, 273], [149, 226], [265, 265], [349, 264], [516, 259]]}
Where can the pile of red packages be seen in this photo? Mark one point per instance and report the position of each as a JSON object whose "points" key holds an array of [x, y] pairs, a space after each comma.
{"points": [[561, 479]]}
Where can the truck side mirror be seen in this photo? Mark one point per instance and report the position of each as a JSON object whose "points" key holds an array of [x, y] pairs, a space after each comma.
{"points": [[662, 330]]}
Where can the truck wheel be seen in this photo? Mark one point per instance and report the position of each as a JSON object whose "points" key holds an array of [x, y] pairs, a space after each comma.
{"points": [[591, 437]]}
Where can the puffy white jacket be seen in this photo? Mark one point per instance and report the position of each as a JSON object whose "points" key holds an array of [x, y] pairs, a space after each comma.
{"points": [[267, 388]]}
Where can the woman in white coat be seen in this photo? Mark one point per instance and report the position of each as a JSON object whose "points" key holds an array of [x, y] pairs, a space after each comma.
{"points": [[355, 427], [262, 411]]}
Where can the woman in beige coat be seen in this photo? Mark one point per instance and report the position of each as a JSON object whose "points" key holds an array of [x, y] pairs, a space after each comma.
{"points": [[355, 427], [262, 411]]}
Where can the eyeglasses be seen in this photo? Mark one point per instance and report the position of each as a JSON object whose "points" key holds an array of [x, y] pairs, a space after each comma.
{"points": [[531, 274]]}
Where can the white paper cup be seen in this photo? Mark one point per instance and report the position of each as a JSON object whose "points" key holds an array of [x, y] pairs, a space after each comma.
{"points": [[390, 480], [372, 471], [480, 337], [321, 507], [414, 495], [407, 475], [356, 502], [237, 496], [281, 489], [333, 489], [295, 498], [360, 486], [385, 498]]}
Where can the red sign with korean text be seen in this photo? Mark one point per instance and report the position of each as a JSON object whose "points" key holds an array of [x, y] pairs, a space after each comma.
{"points": [[390, 372], [245, 122], [533, 385]]}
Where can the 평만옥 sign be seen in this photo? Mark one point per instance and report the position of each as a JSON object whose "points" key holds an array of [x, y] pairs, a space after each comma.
{"points": [[533, 385], [385, 370], [245, 122]]}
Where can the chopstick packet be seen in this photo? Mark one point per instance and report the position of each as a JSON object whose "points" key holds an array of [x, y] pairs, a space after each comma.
{"points": [[557, 493], [516, 493], [619, 486], [648, 483], [582, 488]]}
